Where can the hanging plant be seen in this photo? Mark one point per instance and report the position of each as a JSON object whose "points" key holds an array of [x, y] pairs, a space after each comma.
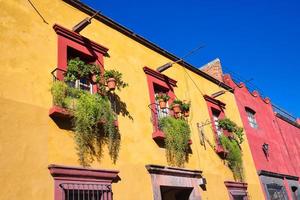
{"points": [[231, 129], [186, 108], [177, 133], [234, 157], [176, 106], [162, 99], [230, 140], [94, 125], [114, 80]]}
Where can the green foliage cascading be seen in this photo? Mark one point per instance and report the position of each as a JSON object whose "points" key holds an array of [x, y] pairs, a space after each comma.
{"points": [[232, 145], [93, 115], [234, 157], [93, 122], [177, 133]]}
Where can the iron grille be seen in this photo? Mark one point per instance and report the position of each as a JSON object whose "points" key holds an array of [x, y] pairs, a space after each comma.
{"points": [[75, 191]]}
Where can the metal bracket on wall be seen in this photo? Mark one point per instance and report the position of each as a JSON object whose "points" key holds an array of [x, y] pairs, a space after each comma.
{"points": [[202, 135]]}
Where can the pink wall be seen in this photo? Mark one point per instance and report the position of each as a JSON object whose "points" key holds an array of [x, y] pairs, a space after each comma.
{"points": [[279, 160]]}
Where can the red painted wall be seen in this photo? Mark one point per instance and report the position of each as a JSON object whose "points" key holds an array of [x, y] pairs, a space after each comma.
{"points": [[291, 136], [279, 160]]}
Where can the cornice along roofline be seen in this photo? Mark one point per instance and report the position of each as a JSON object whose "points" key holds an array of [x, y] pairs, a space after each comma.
{"points": [[89, 11]]}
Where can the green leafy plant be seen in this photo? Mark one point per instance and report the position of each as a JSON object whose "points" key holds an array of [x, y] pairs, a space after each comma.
{"points": [[59, 93], [93, 122], [165, 97], [231, 126], [94, 126], [185, 106], [234, 157], [63, 95], [117, 76], [78, 69], [177, 132], [176, 101]]}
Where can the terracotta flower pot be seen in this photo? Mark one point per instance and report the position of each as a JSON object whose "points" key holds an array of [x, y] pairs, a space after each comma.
{"points": [[162, 104], [186, 113], [176, 108], [111, 83], [177, 115], [227, 133]]}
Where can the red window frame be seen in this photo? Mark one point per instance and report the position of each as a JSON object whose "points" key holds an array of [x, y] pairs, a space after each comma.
{"points": [[163, 81], [214, 104], [70, 39], [76, 175]]}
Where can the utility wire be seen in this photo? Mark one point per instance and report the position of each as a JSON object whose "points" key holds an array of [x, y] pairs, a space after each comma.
{"points": [[36, 10], [189, 53]]}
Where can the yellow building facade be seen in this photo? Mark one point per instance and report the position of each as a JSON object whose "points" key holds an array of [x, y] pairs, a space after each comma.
{"points": [[30, 140]]}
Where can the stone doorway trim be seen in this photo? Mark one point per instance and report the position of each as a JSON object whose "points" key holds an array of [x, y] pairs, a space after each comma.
{"points": [[174, 177]]}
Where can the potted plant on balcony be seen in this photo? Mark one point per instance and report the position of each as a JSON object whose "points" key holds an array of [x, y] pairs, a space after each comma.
{"points": [[177, 133], [78, 69], [114, 80], [176, 106], [230, 129], [186, 108], [162, 99]]}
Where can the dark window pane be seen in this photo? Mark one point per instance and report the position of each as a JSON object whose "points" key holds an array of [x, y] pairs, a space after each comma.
{"points": [[276, 192], [238, 197]]}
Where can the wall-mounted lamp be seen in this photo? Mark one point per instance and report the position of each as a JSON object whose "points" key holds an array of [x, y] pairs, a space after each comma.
{"points": [[81, 25], [202, 183], [265, 148]]}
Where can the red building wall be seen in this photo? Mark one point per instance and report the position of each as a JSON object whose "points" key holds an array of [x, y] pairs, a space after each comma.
{"points": [[291, 134], [267, 131]]}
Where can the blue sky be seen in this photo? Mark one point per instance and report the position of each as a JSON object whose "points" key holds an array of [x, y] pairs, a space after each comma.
{"points": [[253, 39]]}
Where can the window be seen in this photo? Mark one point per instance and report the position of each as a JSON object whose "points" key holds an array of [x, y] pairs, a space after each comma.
{"points": [[171, 183], [276, 192], [158, 83], [237, 190], [82, 84], [274, 185], [72, 45], [73, 191], [160, 112], [216, 115], [216, 112], [251, 118], [74, 183]]}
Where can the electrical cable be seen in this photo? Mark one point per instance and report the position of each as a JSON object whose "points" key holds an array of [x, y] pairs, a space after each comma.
{"points": [[36, 10]]}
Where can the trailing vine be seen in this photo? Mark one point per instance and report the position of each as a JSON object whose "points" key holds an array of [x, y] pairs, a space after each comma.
{"points": [[94, 120], [92, 117], [234, 157], [177, 133], [232, 145]]}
